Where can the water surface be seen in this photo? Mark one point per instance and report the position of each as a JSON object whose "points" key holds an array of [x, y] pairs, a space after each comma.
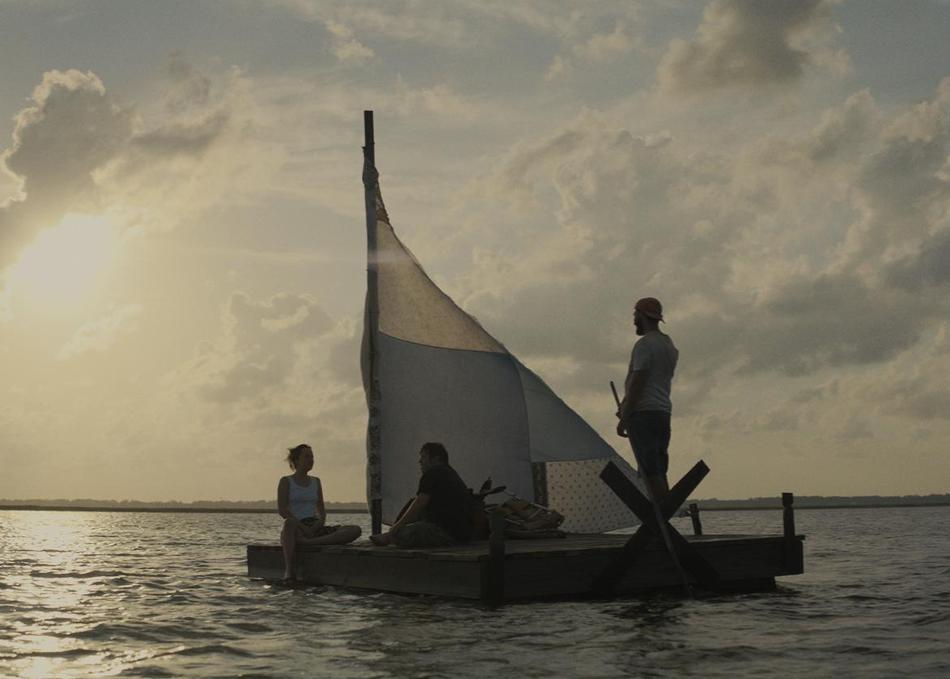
{"points": [[87, 594]]}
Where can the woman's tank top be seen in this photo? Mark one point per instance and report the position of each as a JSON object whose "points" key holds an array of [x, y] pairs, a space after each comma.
{"points": [[303, 499]]}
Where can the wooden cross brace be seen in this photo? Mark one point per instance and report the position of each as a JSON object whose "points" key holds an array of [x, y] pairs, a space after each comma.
{"points": [[692, 561]]}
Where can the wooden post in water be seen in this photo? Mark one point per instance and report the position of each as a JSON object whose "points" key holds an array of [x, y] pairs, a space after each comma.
{"points": [[694, 515], [788, 516], [493, 590], [788, 527]]}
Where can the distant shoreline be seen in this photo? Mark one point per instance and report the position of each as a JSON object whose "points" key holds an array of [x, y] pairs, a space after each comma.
{"points": [[263, 510], [159, 510]]}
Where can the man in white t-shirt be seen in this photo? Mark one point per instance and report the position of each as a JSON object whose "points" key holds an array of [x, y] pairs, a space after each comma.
{"points": [[645, 410]]}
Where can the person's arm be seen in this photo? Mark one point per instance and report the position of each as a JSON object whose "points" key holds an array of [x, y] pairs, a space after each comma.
{"points": [[321, 512], [412, 513], [635, 384], [283, 499]]}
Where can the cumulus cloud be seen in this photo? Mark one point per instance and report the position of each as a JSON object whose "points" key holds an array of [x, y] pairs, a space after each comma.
{"points": [[189, 88], [599, 48], [70, 128], [799, 254], [283, 369], [345, 45], [263, 344], [903, 189], [74, 149], [605, 47], [748, 43], [102, 333]]}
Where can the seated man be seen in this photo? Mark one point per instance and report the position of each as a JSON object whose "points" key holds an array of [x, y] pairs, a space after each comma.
{"points": [[441, 513]]}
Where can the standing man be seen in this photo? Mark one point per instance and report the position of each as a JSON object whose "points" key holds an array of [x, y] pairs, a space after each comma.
{"points": [[441, 513], [645, 410]]}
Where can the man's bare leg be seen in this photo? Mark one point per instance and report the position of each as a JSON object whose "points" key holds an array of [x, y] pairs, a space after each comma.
{"points": [[341, 536]]}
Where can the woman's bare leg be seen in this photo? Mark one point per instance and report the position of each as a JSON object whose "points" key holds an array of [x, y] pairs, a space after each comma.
{"points": [[288, 541]]}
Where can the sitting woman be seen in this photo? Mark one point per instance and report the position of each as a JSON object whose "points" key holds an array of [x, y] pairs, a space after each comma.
{"points": [[300, 502]]}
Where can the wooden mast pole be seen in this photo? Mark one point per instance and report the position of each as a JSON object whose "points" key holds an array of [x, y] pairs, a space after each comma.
{"points": [[370, 186]]}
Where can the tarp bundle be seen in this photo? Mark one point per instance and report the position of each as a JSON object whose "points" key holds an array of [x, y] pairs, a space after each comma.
{"points": [[432, 373]]}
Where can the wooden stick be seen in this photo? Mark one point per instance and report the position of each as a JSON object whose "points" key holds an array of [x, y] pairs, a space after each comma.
{"points": [[372, 316], [661, 522], [694, 515]]}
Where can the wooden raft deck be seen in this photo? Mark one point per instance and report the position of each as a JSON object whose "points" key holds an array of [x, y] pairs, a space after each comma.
{"points": [[564, 567]]}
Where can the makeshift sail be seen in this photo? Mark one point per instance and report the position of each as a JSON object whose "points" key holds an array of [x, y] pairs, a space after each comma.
{"points": [[432, 373]]}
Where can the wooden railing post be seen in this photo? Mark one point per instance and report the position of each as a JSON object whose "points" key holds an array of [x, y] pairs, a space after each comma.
{"points": [[793, 549], [788, 516], [694, 515], [494, 590]]}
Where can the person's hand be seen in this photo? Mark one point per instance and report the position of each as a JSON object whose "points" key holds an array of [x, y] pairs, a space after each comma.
{"points": [[621, 429]]}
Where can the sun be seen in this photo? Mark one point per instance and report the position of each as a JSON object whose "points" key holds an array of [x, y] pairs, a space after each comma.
{"points": [[64, 263]]}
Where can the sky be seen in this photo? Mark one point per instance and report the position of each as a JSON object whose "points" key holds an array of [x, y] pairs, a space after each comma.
{"points": [[182, 234]]}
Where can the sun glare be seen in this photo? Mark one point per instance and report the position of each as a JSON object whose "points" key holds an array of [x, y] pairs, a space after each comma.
{"points": [[64, 262]]}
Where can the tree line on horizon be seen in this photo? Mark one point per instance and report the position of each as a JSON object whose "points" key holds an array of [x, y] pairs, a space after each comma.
{"points": [[710, 503]]}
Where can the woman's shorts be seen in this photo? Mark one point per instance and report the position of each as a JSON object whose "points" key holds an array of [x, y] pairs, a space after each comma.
{"points": [[649, 432]]}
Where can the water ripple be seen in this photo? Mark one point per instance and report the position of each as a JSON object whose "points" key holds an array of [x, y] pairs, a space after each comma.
{"points": [[151, 595]]}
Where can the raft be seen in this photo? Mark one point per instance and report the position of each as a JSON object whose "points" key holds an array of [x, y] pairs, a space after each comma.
{"points": [[532, 569]]}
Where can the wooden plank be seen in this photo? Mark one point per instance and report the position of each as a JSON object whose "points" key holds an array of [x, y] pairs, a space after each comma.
{"points": [[683, 488], [698, 568], [605, 583], [534, 571]]}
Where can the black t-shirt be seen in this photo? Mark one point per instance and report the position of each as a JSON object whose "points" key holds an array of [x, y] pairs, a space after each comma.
{"points": [[450, 502]]}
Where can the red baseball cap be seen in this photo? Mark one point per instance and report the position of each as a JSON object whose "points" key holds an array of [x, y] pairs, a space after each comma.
{"points": [[650, 307]]}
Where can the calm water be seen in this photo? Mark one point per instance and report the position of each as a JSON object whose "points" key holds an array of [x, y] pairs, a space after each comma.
{"points": [[161, 595]]}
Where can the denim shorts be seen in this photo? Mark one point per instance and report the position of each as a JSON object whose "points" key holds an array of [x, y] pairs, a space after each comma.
{"points": [[649, 432]]}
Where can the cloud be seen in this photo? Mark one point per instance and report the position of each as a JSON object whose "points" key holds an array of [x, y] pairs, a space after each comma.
{"points": [[283, 370], [75, 150], [102, 333], [926, 268], [263, 344], [70, 128], [902, 187], [748, 43], [598, 49], [189, 88], [832, 320], [345, 45], [779, 255], [605, 47], [393, 21]]}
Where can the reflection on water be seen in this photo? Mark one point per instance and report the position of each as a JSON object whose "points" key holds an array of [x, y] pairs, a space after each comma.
{"points": [[124, 594]]}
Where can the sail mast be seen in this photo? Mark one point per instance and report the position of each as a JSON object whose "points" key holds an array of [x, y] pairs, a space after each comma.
{"points": [[373, 449]]}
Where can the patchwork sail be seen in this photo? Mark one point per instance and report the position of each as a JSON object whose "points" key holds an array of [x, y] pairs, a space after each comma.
{"points": [[432, 373]]}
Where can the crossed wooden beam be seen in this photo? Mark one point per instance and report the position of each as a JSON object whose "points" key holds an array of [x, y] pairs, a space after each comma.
{"points": [[692, 561]]}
